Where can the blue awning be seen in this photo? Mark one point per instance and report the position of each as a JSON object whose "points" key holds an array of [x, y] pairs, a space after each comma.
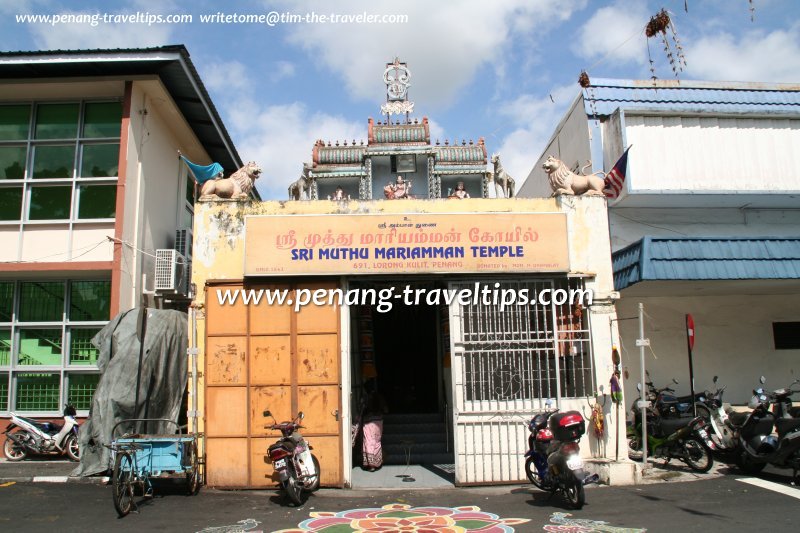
{"points": [[706, 258]]}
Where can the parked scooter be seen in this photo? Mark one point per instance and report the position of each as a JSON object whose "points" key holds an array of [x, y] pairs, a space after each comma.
{"points": [[291, 456], [553, 460], [25, 435], [758, 447], [675, 438], [724, 426]]}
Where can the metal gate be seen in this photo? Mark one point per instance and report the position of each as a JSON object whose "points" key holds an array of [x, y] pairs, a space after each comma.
{"points": [[505, 364]]}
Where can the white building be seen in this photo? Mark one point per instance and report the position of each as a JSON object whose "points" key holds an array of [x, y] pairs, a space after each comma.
{"points": [[708, 222], [90, 187]]}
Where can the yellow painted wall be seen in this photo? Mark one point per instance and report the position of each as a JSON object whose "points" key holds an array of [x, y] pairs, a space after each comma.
{"points": [[219, 249]]}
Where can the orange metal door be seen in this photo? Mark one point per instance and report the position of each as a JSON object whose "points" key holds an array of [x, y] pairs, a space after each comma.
{"points": [[262, 357]]}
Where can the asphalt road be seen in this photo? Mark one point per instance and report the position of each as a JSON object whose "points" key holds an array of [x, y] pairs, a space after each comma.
{"points": [[716, 504]]}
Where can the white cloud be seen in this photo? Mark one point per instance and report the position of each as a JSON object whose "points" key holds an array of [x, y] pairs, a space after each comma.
{"points": [[280, 139], [227, 76], [615, 33], [282, 70], [74, 36], [444, 43], [533, 121], [756, 56]]}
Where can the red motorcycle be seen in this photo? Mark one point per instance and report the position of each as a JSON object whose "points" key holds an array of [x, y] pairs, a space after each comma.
{"points": [[297, 468]]}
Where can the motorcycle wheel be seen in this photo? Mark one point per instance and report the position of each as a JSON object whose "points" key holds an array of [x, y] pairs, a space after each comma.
{"points": [[634, 447], [122, 486], [748, 466], [575, 494], [13, 451], [314, 486], [294, 489], [533, 474], [72, 449], [697, 456]]}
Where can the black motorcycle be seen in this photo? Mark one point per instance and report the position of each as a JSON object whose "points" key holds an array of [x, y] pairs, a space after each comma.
{"points": [[758, 446], [669, 405], [553, 461]]}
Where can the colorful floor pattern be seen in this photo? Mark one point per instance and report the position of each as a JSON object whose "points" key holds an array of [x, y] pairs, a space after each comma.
{"points": [[404, 518]]}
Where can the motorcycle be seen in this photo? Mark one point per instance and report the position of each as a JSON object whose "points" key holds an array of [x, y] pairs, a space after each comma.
{"points": [[553, 462], [724, 426], [671, 406], [758, 446], [297, 468], [675, 438], [26, 435]]}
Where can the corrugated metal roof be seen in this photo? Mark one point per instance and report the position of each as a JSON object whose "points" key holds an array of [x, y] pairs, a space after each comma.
{"points": [[706, 258], [604, 96]]}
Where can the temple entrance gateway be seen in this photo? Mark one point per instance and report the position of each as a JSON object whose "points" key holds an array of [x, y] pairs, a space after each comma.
{"points": [[401, 351]]}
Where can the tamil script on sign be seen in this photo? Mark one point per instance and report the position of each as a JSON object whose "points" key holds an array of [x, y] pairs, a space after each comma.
{"points": [[405, 243]]}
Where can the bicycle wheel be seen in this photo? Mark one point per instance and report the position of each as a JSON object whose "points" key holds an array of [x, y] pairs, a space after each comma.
{"points": [[193, 477], [123, 483]]}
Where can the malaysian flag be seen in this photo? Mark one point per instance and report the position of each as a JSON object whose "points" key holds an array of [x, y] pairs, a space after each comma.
{"points": [[616, 178]]}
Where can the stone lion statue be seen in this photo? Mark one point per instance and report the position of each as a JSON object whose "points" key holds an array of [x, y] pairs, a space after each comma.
{"points": [[564, 181], [236, 186]]}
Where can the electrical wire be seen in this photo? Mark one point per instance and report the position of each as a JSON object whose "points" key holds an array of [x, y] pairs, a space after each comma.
{"points": [[613, 212]]}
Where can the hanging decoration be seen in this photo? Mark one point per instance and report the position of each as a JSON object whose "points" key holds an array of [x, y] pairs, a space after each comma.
{"points": [[586, 84], [661, 24]]}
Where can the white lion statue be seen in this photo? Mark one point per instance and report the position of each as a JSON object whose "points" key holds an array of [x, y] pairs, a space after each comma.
{"points": [[236, 186], [564, 181]]}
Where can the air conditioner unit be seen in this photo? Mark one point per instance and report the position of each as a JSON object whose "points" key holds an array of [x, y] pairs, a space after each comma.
{"points": [[183, 242], [172, 272]]}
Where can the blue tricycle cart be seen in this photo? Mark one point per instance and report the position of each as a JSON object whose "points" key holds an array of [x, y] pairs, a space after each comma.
{"points": [[139, 458]]}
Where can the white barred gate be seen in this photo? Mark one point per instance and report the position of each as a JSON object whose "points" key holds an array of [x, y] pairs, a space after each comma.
{"points": [[504, 365]]}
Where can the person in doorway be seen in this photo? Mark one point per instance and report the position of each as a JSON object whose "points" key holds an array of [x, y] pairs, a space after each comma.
{"points": [[374, 408]]}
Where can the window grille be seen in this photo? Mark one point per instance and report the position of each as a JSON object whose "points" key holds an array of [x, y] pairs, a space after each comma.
{"points": [[38, 392], [81, 389], [527, 352]]}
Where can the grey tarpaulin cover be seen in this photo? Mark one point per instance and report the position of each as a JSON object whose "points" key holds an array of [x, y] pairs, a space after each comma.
{"points": [[163, 381]]}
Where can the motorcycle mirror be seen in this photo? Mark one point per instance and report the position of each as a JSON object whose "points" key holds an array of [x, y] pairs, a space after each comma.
{"points": [[301, 415], [762, 380], [675, 381], [715, 379], [548, 402], [267, 413], [639, 387]]}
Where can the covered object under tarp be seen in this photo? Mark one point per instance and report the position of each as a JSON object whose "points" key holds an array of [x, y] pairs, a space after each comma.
{"points": [[163, 378]]}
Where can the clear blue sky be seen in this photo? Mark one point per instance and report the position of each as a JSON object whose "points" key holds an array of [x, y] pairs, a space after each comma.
{"points": [[504, 70]]}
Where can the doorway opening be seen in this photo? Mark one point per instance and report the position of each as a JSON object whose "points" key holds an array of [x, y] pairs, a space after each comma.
{"points": [[402, 353]]}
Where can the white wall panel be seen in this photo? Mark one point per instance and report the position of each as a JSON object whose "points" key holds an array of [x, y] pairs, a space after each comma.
{"points": [[713, 154]]}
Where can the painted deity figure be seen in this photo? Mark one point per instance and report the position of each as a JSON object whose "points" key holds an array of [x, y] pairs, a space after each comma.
{"points": [[397, 190], [460, 191]]}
